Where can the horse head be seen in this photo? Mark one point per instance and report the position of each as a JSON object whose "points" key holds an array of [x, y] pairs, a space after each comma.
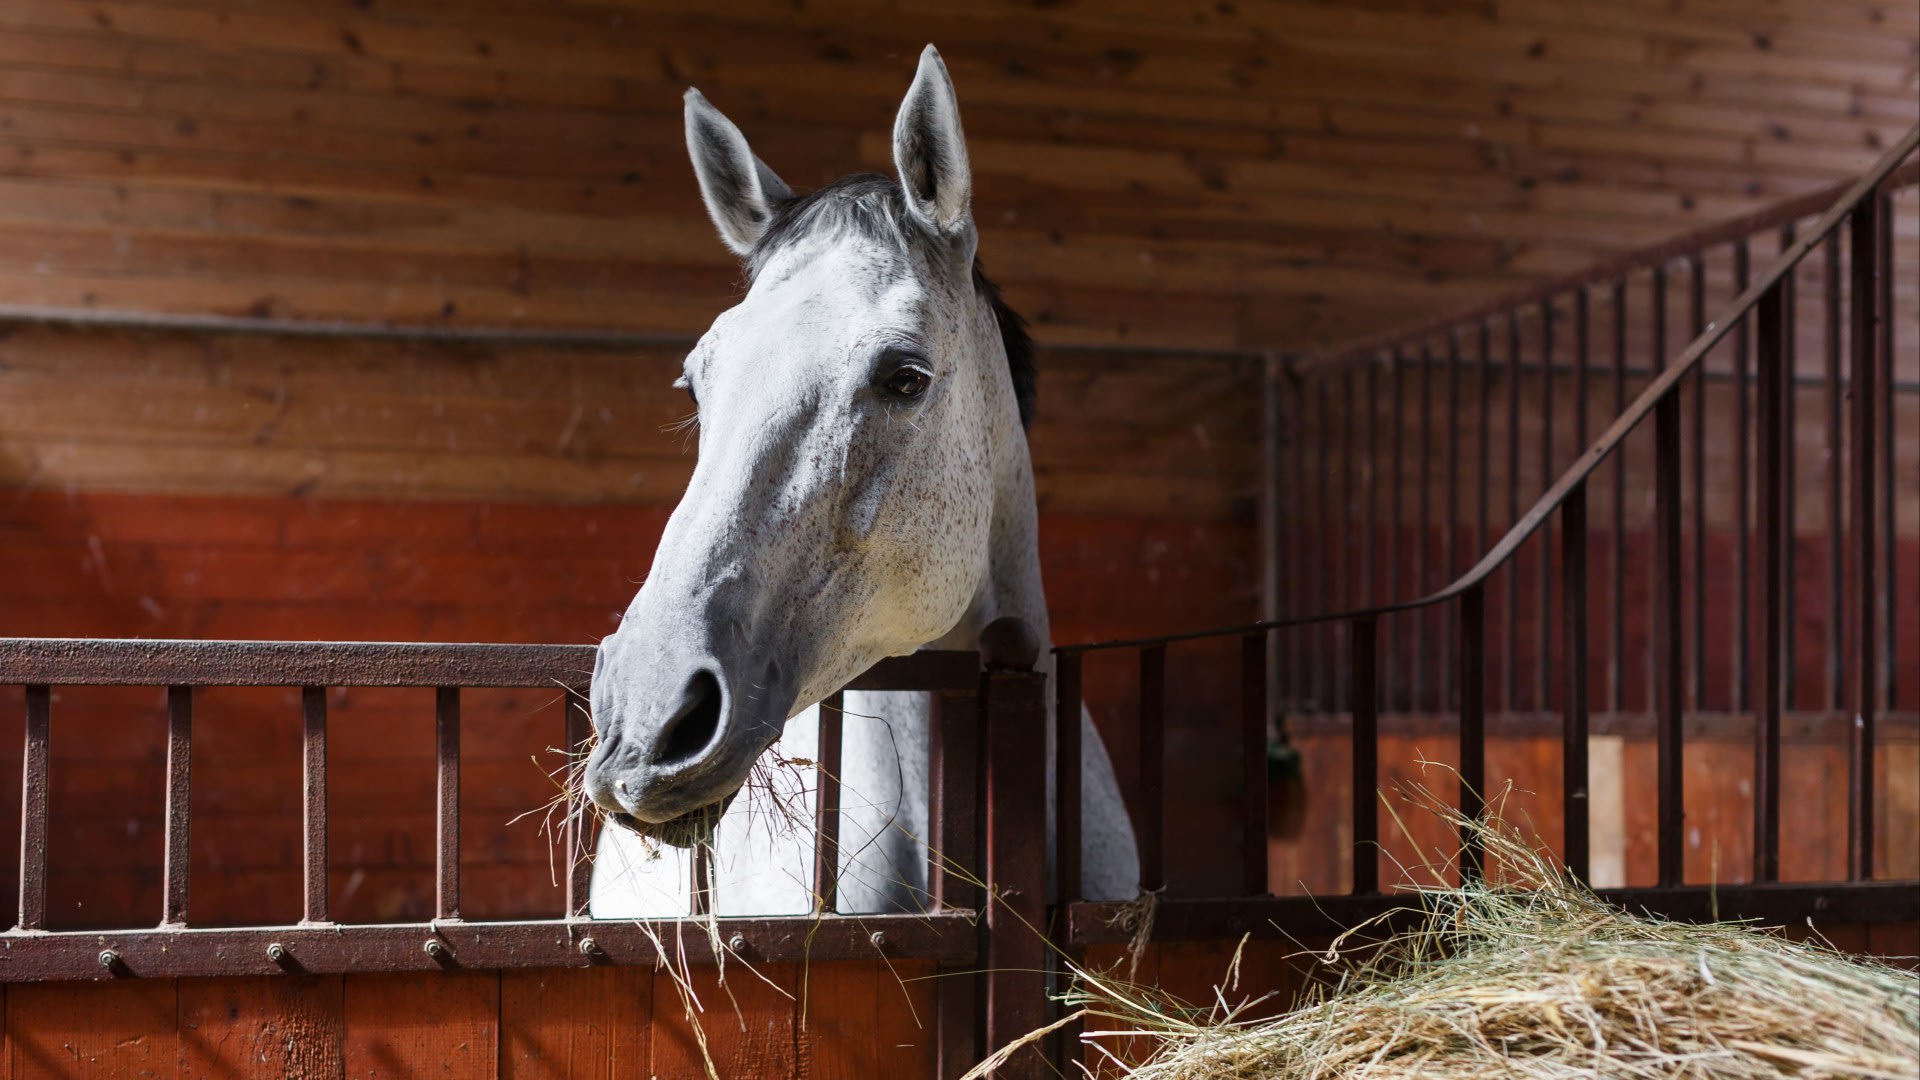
{"points": [[855, 410]]}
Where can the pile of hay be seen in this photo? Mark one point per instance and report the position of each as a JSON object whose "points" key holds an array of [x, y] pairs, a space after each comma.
{"points": [[1534, 976]]}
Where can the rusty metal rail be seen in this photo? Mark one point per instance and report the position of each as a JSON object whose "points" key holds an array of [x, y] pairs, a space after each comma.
{"points": [[987, 791], [1310, 670]]}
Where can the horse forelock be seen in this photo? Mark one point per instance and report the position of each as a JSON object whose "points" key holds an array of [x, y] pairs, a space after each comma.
{"points": [[873, 207]]}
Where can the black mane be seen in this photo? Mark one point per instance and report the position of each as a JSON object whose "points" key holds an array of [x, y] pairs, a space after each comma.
{"points": [[872, 206]]}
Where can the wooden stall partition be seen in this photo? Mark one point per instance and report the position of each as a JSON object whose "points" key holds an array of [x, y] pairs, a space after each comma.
{"points": [[843, 1019]]}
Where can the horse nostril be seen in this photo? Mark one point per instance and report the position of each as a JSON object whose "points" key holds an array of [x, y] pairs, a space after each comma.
{"points": [[694, 725]]}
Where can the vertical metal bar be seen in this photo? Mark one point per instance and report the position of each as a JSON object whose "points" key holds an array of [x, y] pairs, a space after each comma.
{"points": [[1016, 781], [1484, 481], [1274, 511], [1575, 805], [1422, 569], [1067, 769], [1657, 361], [1575, 587], [957, 801], [1297, 644], [577, 734], [1253, 763], [1473, 724], [1582, 345], [1889, 547], [1697, 482], [1369, 590], [33, 809], [1865, 237], [1773, 533], [1396, 490], [1452, 551], [1366, 756], [313, 707], [1617, 583], [1343, 546], [1742, 693], [446, 726], [955, 807], [179, 806], [1153, 763], [1669, 657], [1836, 613], [1789, 473], [1543, 673], [826, 805], [1510, 663], [1324, 544]]}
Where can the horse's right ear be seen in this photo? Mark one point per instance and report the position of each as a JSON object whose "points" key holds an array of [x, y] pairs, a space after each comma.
{"points": [[738, 188]]}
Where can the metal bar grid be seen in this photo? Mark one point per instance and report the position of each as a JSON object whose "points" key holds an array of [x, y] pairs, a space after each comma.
{"points": [[1676, 663], [316, 943]]}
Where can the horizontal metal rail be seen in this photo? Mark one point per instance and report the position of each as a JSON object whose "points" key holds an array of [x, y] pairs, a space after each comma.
{"points": [[170, 952], [174, 662]]}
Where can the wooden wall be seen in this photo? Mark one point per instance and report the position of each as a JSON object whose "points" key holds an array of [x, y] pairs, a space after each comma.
{"points": [[1164, 189], [1189, 174]]}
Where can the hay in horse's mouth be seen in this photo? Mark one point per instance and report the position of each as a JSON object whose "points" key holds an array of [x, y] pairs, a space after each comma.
{"points": [[690, 829]]}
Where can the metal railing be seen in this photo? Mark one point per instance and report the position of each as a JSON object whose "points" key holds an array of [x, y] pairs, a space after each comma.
{"points": [[988, 787], [1860, 213]]}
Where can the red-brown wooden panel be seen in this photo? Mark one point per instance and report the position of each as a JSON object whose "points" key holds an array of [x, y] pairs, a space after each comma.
{"points": [[269, 1027], [865, 1018], [1899, 943], [444, 1024], [747, 1024], [575, 1023], [1116, 961], [96, 1029]]}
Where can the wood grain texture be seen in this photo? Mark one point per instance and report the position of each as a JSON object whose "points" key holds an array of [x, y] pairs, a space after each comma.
{"points": [[1188, 175], [444, 1024], [94, 1029], [747, 1027], [566, 1024], [867, 1019], [262, 1027], [178, 413]]}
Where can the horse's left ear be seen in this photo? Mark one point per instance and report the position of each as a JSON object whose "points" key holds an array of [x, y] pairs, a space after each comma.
{"points": [[930, 152]]}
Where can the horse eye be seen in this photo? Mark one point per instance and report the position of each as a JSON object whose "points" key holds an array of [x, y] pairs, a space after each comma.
{"points": [[907, 382]]}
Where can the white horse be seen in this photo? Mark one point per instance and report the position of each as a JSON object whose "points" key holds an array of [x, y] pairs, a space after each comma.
{"points": [[863, 490]]}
